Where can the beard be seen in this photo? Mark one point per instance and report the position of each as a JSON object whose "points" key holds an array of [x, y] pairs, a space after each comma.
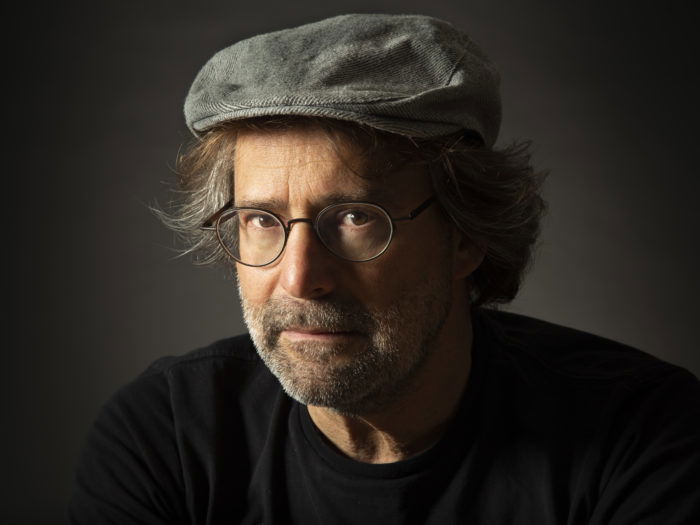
{"points": [[361, 373]]}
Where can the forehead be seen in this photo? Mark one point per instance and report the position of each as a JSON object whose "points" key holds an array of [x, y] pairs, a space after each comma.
{"points": [[304, 166]]}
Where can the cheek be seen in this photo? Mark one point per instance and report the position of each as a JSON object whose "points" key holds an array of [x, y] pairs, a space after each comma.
{"points": [[417, 258], [254, 284], [383, 280]]}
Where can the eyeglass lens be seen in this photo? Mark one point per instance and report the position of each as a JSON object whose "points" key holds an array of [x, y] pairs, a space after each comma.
{"points": [[355, 231]]}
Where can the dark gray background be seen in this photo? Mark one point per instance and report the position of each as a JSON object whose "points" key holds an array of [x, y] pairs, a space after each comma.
{"points": [[606, 90]]}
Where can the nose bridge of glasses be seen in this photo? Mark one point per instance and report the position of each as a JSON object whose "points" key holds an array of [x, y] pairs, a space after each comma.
{"points": [[288, 226], [290, 222], [315, 233]]}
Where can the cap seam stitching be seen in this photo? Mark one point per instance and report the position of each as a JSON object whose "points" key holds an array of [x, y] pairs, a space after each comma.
{"points": [[454, 69]]}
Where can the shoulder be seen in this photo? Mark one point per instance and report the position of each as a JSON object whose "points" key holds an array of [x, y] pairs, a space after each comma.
{"points": [[232, 361], [183, 399], [206, 381], [568, 374], [160, 433], [224, 378], [235, 349], [572, 355], [626, 422]]}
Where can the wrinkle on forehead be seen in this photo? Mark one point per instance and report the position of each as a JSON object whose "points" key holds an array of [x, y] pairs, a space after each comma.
{"points": [[293, 148], [300, 161], [305, 166]]}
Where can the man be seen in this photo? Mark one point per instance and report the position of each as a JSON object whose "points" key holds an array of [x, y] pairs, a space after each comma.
{"points": [[346, 170]]}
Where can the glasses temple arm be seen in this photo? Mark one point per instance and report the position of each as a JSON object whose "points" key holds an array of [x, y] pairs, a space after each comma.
{"points": [[209, 223], [415, 213]]}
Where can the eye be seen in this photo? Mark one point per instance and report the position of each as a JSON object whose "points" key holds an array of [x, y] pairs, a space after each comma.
{"points": [[354, 218], [261, 221]]}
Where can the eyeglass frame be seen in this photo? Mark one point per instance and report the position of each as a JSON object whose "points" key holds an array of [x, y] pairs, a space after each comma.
{"points": [[212, 223]]}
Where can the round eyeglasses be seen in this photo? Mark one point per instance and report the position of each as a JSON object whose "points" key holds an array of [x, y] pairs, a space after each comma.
{"points": [[354, 231]]}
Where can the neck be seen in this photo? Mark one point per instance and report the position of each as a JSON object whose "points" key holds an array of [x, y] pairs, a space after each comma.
{"points": [[416, 420]]}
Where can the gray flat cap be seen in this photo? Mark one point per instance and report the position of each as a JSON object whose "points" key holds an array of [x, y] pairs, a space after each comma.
{"points": [[407, 74]]}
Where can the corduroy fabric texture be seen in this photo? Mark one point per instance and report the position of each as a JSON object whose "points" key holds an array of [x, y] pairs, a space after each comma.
{"points": [[408, 74]]}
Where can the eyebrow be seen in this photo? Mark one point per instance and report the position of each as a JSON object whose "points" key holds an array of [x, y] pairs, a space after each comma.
{"points": [[384, 197]]}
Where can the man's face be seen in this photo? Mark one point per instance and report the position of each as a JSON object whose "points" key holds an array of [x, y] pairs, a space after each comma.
{"points": [[344, 335]]}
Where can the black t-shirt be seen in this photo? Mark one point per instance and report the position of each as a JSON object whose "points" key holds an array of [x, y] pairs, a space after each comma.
{"points": [[556, 427]]}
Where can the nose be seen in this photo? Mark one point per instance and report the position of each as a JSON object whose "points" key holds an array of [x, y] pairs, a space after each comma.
{"points": [[307, 269]]}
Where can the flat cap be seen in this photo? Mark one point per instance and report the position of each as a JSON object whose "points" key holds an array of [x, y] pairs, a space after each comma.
{"points": [[408, 74]]}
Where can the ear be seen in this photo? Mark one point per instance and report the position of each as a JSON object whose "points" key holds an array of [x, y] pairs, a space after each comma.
{"points": [[468, 255]]}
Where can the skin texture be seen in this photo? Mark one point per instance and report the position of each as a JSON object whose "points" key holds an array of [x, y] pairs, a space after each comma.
{"points": [[379, 351]]}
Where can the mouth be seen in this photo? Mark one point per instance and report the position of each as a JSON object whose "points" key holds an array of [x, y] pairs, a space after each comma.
{"points": [[318, 334]]}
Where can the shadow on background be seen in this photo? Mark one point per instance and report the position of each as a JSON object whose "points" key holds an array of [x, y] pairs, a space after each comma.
{"points": [[607, 92]]}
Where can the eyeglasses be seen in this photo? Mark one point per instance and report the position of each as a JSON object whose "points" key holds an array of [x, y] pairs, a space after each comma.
{"points": [[354, 231]]}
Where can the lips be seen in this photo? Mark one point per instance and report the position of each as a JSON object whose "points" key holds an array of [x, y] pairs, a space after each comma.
{"points": [[317, 333], [306, 329]]}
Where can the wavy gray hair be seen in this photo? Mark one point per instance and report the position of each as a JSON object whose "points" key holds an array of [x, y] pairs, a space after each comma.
{"points": [[493, 196]]}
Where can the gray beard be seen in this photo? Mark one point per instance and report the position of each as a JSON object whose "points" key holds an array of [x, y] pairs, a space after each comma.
{"points": [[351, 378]]}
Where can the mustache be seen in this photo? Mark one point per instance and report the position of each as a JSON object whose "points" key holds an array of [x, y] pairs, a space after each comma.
{"points": [[331, 315]]}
